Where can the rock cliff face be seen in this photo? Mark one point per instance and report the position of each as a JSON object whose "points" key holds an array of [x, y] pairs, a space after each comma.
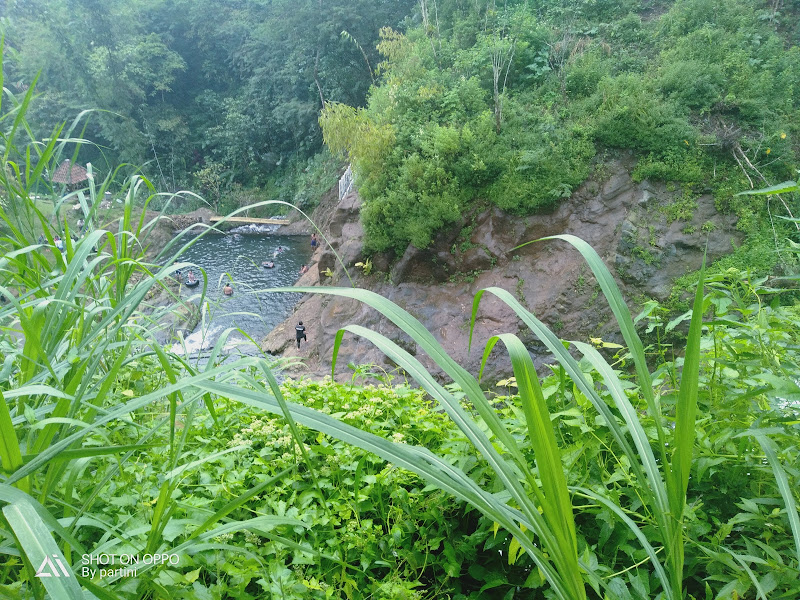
{"points": [[629, 224]]}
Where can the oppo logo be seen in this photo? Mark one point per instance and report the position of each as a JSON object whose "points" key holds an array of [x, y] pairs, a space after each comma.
{"points": [[48, 568]]}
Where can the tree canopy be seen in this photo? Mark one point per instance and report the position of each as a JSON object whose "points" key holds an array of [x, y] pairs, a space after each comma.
{"points": [[178, 83]]}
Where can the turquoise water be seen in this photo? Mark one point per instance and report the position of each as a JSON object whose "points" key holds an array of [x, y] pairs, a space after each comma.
{"points": [[237, 259]]}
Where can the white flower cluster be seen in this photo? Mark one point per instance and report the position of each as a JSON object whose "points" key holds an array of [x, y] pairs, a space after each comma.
{"points": [[252, 538], [263, 430]]}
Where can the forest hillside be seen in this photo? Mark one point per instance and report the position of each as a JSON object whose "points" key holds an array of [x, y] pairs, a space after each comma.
{"points": [[439, 104], [515, 105]]}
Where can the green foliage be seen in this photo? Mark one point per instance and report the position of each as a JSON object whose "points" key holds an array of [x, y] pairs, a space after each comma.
{"points": [[315, 179], [545, 174], [691, 93], [649, 407], [336, 500], [505, 104], [675, 164], [682, 208], [430, 184], [211, 180], [586, 72], [181, 83], [630, 115], [602, 479]]}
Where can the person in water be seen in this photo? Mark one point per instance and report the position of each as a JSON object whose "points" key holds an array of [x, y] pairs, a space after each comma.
{"points": [[190, 277], [303, 269], [300, 332], [228, 289]]}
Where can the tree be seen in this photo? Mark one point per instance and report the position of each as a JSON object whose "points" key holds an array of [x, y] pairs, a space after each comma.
{"points": [[212, 182]]}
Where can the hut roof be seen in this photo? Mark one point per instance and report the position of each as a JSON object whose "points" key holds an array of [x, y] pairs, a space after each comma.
{"points": [[69, 173]]}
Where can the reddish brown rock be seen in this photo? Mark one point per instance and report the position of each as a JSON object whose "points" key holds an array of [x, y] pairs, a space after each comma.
{"points": [[624, 221]]}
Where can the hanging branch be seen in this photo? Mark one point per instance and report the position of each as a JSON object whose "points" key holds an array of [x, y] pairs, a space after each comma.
{"points": [[316, 78], [764, 179], [346, 35]]}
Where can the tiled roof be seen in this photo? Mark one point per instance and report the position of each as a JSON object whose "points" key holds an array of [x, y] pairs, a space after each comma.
{"points": [[69, 173]]}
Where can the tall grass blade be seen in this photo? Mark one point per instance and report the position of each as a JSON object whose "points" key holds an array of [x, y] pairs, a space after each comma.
{"points": [[10, 454], [627, 328], [557, 507], [656, 490], [686, 409], [783, 486], [12, 495], [780, 188], [42, 552], [683, 440], [667, 496]]}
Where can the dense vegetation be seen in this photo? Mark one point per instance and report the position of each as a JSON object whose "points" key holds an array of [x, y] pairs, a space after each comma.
{"points": [[206, 94], [454, 104], [624, 473], [514, 104]]}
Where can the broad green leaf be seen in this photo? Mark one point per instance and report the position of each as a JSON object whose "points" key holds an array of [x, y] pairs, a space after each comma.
{"points": [[52, 569]]}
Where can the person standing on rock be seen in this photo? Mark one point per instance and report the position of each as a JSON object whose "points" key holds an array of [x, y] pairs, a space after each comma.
{"points": [[300, 332], [313, 242]]}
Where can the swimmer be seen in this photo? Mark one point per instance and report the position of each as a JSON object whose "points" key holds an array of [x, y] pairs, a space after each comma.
{"points": [[228, 290], [303, 269]]}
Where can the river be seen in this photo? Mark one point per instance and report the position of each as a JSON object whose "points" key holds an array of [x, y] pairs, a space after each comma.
{"points": [[237, 259]]}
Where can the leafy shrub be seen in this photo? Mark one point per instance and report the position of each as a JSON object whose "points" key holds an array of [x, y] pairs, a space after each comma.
{"points": [[676, 164], [629, 115], [694, 84], [585, 73], [544, 175]]}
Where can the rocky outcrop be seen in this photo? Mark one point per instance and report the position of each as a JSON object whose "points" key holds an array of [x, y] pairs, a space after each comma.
{"points": [[631, 226]]}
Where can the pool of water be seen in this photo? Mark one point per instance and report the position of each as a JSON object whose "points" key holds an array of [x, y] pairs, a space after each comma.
{"points": [[237, 259]]}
